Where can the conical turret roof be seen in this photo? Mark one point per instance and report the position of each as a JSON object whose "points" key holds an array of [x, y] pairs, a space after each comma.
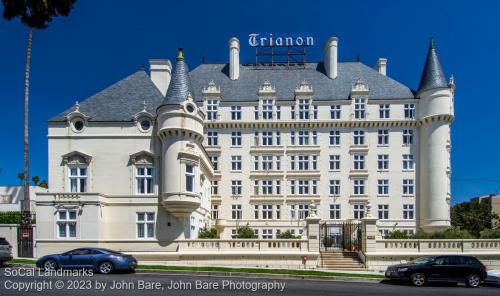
{"points": [[432, 76], [180, 84]]}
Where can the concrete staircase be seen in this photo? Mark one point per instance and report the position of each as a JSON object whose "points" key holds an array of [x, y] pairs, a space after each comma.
{"points": [[348, 261]]}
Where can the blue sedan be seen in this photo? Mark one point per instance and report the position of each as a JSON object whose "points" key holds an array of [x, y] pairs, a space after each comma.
{"points": [[103, 260]]}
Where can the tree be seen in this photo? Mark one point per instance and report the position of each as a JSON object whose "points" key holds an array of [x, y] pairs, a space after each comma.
{"points": [[20, 176], [44, 184], [35, 180], [472, 216], [246, 232], [206, 232], [35, 14]]}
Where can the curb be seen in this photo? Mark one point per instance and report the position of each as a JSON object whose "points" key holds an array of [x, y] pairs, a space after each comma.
{"points": [[260, 275], [249, 275]]}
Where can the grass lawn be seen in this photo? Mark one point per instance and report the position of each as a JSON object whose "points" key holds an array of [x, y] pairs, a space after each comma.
{"points": [[242, 270]]}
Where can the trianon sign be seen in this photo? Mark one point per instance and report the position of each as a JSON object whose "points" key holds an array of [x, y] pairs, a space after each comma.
{"points": [[256, 39]]}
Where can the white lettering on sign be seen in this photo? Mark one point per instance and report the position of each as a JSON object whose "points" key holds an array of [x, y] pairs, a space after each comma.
{"points": [[256, 39]]}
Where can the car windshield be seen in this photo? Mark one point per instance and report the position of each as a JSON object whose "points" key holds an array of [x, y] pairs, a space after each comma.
{"points": [[422, 260]]}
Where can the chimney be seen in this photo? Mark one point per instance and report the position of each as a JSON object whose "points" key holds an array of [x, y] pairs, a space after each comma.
{"points": [[331, 60], [381, 66], [160, 73], [234, 58]]}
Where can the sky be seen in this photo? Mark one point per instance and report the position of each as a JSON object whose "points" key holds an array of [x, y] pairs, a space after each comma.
{"points": [[102, 42]]}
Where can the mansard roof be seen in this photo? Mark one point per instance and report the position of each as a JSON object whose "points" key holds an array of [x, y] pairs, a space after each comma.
{"points": [[285, 80], [122, 100]]}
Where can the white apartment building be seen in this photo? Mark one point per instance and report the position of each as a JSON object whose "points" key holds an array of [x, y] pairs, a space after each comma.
{"points": [[152, 159]]}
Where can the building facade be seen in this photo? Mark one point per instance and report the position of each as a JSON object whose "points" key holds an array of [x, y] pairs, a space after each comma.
{"points": [[154, 158]]}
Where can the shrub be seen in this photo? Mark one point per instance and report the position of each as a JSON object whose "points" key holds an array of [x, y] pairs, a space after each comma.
{"points": [[450, 233], [490, 233], [10, 217], [246, 232], [206, 233], [397, 234], [287, 235]]}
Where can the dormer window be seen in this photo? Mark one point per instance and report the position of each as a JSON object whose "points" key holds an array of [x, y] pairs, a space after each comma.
{"points": [[359, 108], [212, 108], [267, 109], [304, 108], [409, 111]]}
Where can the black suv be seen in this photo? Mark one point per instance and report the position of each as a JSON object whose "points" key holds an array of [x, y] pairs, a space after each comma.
{"points": [[449, 268]]}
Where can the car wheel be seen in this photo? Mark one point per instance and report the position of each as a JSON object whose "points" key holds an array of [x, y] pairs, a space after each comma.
{"points": [[105, 267], [49, 265], [473, 281], [418, 279]]}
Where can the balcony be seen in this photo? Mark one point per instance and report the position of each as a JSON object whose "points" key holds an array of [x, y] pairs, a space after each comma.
{"points": [[180, 204]]}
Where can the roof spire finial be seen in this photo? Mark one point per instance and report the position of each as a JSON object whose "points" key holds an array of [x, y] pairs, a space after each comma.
{"points": [[431, 43], [144, 105], [77, 106], [180, 54]]}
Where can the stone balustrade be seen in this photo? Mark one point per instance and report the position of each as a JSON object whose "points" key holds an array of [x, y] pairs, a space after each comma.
{"points": [[437, 246], [242, 245]]}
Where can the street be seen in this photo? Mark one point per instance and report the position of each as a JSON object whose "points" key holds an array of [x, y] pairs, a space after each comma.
{"points": [[28, 281]]}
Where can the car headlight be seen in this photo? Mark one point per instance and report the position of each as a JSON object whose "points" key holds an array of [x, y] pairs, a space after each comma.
{"points": [[402, 269]]}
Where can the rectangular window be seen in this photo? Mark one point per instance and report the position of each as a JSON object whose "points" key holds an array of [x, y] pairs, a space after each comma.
{"points": [[212, 108], [315, 138], [278, 138], [66, 223], [314, 185], [292, 112], [267, 212], [190, 178], [256, 211], [267, 138], [78, 179], [335, 162], [409, 111], [144, 179], [215, 187], [359, 137], [278, 186], [383, 187], [256, 139], [335, 138], [407, 137], [303, 187], [384, 111], [278, 162], [236, 162], [303, 162], [408, 187], [278, 112], [292, 187], [303, 211], [335, 211], [335, 187], [267, 187], [359, 186], [383, 212], [383, 162], [235, 112], [267, 162], [304, 108], [213, 138], [359, 211], [359, 161], [408, 163], [235, 138], [292, 138], [315, 112], [383, 137], [267, 234], [256, 112], [236, 187], [335, 112], [303, 137], [408, 212], [145, 225], [278, 212], [359, 108], [236, 212], [267, 109], [215, 212], [215, 162]]}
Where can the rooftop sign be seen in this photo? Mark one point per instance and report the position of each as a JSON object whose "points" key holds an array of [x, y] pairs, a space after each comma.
{"points": [[256, 40]]}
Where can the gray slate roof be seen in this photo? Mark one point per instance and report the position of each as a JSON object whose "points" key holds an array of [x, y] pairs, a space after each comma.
{"points": [[180, 85], [121, 101], [432, 76], [285, 81]]}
